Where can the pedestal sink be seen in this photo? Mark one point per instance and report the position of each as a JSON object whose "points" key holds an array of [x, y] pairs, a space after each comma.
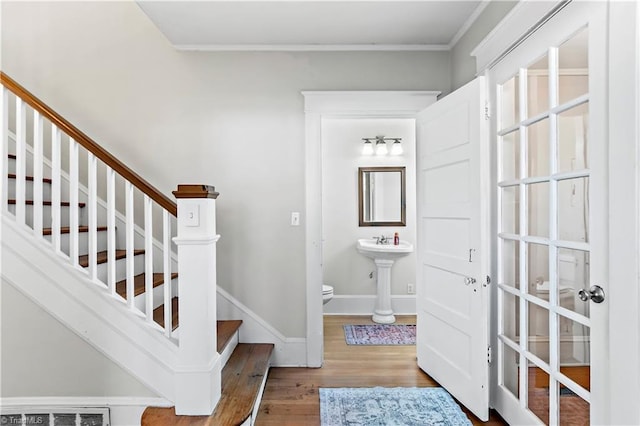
{"points": [[383, 256]]}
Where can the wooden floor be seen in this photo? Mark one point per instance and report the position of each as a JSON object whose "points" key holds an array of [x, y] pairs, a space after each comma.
{"points": [[291, 394]]}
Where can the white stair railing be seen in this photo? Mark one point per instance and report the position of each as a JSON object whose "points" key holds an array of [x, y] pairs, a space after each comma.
{"points": [[78, 223], [90, 208]]}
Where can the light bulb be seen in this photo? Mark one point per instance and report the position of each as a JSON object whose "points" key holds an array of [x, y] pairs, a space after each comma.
{"points": [[381, 147], [396, 148], [367, 149]]}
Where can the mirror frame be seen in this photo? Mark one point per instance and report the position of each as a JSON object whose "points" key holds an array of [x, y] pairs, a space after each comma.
{"points": [[403, 196]]}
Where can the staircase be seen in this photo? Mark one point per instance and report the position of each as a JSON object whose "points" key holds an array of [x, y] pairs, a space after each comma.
{"points": [[117, 232]]}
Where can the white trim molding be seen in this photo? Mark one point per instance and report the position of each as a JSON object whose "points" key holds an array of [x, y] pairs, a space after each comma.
{"points": [[288, 351], [517, 25], [312, 47], [468, 23], [363, 304], [320, 105]]}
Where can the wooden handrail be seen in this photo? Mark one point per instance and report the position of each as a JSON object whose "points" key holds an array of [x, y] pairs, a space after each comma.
{"points": [[89, 144]]}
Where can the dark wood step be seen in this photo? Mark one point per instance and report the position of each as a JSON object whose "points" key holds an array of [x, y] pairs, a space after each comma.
{"points": [[139, 283], [67, 230], [12, 156], [158, 314], [103, 256], [242, 379], [30, 178], [48, 203], [225, 331]]}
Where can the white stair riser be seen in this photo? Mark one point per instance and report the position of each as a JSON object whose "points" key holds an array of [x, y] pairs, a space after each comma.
{"points": [[46, 215], [46, 190], [121, 268], [158, 296], [83, 242]]}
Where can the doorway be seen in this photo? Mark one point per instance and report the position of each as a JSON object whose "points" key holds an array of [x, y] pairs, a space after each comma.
{"points": [[353, 276], [320, 106]]}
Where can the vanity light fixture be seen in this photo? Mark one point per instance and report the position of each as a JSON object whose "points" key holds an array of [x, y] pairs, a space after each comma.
{"points": [[367, 149], [381, 146]]}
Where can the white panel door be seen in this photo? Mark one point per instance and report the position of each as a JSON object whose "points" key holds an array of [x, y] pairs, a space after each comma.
{"points": [[452, 292]]}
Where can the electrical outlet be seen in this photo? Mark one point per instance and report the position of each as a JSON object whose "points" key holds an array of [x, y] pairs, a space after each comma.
{"points": [[411, 289]]}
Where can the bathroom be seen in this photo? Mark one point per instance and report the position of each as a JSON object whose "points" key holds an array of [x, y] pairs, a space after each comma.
{"points": [[352, 275]]}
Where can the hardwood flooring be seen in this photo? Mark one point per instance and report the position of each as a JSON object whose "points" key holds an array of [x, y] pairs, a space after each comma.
{"points": [[291, 394]]}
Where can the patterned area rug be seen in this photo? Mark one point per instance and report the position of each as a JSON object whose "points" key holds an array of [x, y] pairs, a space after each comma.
{"points": [[389, 406], [380, 334]]}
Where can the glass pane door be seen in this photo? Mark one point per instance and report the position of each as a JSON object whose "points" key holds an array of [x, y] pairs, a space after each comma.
{"points": [[543, 233]]}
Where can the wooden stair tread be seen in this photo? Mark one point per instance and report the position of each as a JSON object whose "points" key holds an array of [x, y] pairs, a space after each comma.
{"points": [[12, 156], [30, 178], [102, 256], [158, 314], [139, 283], [67, 230], [225, 329], [47, 203], [242, 379]]}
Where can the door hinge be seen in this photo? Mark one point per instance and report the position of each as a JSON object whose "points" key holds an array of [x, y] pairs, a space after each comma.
{"points": [[487, 111], [487, 282], [489, 355]]}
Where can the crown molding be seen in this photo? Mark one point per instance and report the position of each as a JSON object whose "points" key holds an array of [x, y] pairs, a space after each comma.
{"points": [[468, 23], [312, 47]]}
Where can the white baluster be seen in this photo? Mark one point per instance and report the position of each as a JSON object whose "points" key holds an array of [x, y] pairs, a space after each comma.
{"points": [[38, 158], [166, 254], [92, 213], [111, 230], [129, 243], [148, 258], [4, 146], [74, 220], [55, 187], [21, 158]]}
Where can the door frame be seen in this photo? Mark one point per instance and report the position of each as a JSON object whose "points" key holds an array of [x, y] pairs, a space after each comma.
{"points": [[321, 105], [622, 131]]}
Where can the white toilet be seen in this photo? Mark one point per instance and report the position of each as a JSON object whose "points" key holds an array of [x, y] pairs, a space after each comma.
{"points": [[327, 293]]}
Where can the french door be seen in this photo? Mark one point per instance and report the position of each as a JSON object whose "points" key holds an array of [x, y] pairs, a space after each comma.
{"points": [[551, 234]]}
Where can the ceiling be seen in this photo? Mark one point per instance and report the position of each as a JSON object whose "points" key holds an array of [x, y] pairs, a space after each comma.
{"points": [[313, 25]]}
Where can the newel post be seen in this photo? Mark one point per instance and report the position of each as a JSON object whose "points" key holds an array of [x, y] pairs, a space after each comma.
{"points": [[198, 378]]}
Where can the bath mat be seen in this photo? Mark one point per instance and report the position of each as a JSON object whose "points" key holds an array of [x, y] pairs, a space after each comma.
{"points": [[389, 406], [380, 334]]}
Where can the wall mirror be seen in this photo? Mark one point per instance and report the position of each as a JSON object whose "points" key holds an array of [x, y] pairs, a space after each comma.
{"points": [[381, 196]]}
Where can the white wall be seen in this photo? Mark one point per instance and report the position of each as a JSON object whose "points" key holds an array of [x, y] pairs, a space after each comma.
{"points": [[343, 267], [42, 358], [463, 65], [233, 120]]}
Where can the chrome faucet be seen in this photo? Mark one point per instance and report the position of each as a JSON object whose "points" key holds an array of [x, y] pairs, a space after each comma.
{"points": [[382, 239]]}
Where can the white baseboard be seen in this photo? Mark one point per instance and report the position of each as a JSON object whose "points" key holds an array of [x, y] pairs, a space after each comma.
{"points": [[123, 410], [364, 304], [288, 351]]}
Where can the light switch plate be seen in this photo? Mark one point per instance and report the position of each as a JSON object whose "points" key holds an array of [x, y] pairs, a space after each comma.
{"points": [[295, 218]]}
